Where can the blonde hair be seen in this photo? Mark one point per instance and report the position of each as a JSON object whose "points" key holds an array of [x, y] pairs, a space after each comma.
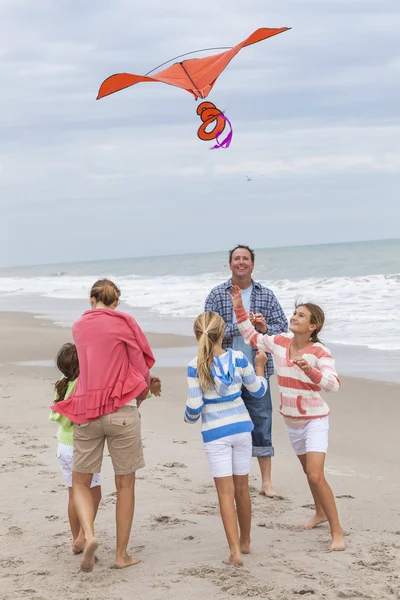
{"points": [[105, 291], [208, 329]]}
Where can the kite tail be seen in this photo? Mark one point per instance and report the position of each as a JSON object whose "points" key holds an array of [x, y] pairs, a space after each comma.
{"points": [[226, 142]]}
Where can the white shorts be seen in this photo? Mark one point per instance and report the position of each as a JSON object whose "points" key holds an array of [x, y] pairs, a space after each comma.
{"points": [[230, 455], [65, 456], [313, 437]]}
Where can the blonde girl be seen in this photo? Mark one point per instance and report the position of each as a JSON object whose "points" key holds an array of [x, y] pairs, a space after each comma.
{"points": [[215, 378]]}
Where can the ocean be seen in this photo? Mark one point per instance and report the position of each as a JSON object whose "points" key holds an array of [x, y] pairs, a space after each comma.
{"points": [[357, 284]]}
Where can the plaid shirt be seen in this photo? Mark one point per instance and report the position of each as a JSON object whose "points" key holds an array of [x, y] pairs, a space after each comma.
{"points": [[262, 301]]}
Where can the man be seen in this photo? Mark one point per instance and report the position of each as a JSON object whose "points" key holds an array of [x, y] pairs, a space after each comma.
{"points": [[268, 318]]}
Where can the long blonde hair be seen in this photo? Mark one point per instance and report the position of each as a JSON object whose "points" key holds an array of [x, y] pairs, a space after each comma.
{"points": [[208, 329]]}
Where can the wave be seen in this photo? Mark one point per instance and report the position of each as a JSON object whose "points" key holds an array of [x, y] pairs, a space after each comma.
{"points": [[360, 311]]}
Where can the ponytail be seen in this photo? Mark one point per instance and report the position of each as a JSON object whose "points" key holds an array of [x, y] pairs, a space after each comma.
{"points": [[314, 337], [61, 388], [208, 328], [68, 364], [204, 361]]}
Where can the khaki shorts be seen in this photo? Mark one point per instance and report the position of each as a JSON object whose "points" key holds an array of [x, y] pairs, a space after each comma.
{"points": [[122, 430]]}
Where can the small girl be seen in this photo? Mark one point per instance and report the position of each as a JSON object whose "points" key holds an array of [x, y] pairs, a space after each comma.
{"points": [[67, 363], [215, 379], [304, 366]]}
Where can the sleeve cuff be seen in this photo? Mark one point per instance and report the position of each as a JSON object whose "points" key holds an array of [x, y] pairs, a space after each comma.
{"points": [[315, 375], [241, 314]]}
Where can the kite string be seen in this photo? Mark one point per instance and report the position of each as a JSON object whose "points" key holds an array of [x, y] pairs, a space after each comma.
{"points": [[187, 54]]}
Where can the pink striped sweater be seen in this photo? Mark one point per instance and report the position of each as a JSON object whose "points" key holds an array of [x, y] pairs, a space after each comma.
{"points": [[299, 393]]}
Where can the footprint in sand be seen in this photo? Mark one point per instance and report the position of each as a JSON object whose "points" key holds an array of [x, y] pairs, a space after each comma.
{"points": [[163, 586], [110, 499], [235, 582], [11, 562], [15, 531], [351, 594], [61, 534], [304, 591], [167, 520], [207, 509], [175, 465]]}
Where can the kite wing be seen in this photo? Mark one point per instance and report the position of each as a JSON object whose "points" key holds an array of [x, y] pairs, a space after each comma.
{"points": [[195, 75]]}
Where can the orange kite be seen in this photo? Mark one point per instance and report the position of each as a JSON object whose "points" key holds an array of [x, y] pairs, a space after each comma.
{"points": [[195, 75]]}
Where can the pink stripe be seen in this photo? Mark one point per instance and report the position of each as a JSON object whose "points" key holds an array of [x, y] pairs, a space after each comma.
{"points": [[297, 384]]}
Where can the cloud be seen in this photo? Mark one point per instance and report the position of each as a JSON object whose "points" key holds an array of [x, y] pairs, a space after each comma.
{"points": [[314, 111]]}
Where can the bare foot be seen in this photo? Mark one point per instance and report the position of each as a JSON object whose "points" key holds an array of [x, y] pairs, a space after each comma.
{"points": [[268, 491], [127, 561], [245, 547], [88, 558], [237, 561], [78, 544], [315, 521], [77, 547], [337, 542]]}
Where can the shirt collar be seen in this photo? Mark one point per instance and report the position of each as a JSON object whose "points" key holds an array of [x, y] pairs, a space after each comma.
{"points": [[228, 284]]}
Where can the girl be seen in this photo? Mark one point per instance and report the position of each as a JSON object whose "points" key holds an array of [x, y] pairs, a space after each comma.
{"points": [[304, 367], [67, 363], [215, 379], [115, 360]]}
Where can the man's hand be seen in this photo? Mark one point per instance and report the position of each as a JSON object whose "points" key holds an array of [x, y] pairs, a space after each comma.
{"points": [[258, 321], [155, 386], [236, 296]]}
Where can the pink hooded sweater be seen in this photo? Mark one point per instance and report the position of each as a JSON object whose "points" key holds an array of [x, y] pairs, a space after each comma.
{"points": [[114, 362]]}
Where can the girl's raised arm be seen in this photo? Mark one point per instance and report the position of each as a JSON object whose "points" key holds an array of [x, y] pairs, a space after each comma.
{"points": [[250, 335]]}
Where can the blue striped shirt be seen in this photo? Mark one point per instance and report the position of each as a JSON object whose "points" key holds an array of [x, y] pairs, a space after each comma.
{"points": [[221, 408]]}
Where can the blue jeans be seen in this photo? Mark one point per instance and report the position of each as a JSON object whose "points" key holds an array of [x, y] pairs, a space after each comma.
{"points": [[260, 411]]}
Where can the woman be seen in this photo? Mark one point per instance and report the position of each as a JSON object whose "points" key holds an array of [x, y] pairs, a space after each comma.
{"points": [[115, 361]]}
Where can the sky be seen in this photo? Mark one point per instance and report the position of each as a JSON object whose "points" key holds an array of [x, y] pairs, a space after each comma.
{"points": [[315, 115]]}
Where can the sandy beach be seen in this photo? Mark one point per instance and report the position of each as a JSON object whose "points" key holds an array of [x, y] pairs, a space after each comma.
{"points": [[177, 530]]}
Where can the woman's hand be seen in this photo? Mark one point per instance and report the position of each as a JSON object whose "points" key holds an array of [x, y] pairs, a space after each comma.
{"points": [[236, 296], [258, 321], [260, 359], [302, 364], [155, 386]]}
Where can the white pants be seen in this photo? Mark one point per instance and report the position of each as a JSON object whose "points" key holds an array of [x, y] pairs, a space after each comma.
{"points": [[230, 455], [313, 437], [65, 456]]}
